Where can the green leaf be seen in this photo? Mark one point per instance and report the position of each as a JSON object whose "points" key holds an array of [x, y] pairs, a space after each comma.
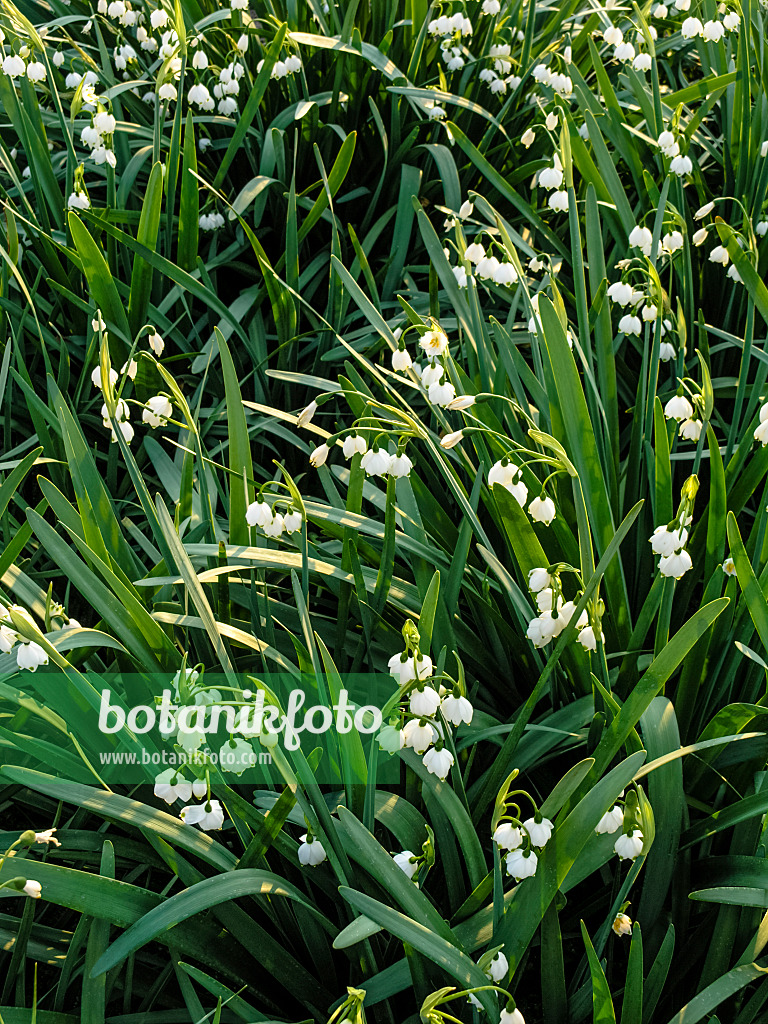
{"points": [[102, 286], [602, 1004], [149, 225], [435, 948], [197, 898]]}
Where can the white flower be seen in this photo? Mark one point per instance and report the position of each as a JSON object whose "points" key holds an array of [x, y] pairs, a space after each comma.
{"points": [[542, 74], [438, 762], [104, 123], [7, 639], [610, 821], [156, 343], [30, 656], [407, 862], [732, 21], [690, 430], [729, 567], [400, 465], [311, 852], [613, 36], [562, 84], [666, 351], [498, 968], [545, 600], [432, 374], [293, 64], [376, 462], [456, 710], [305, 416], [734, 274], [713, 31], [620, 293], [630, 324], [624, 52], [474, 253], [539, 831], [275, 527], [508, 836], [208, 816], [642, 62], [418, 736], [538, 579], [318, 455], [58, 58], [436, 112], [401, 360], [511, 1017], [258, 513], [292, 521], [354, 444], [649, 313], [200, 60], [424, 703], [13, 66], [451, 440], [422, 666], [542, 510], [47, 837], [668, 144], [78, 201], [465, 210], [551, 177], [503, 472], [434, 343], [761, 432], [558, 201], [491, 7], [692, 27], [622, 925], [36, 71], [665, 541], [761, 227], [629, 846], [505, 274], [675, 565], [641, 238], [487, 267], [170, 787], [32, 888], [528, 137], [588, 640], [441, 394], [167, 91], [402, 668], [681, 165], [699, 237], [521, 864], [157, 411], [678, 408], [672, 241]]}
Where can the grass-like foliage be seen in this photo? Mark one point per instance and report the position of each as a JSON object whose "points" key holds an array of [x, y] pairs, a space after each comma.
{"points": [[422, 344]]}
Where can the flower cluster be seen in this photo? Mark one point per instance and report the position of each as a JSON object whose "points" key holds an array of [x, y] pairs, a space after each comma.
{"points": [[668, 541], [260, 513], [20, 884], [431, 707], [519, 840], [624, 294], [555, 614], [623, 816]]}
